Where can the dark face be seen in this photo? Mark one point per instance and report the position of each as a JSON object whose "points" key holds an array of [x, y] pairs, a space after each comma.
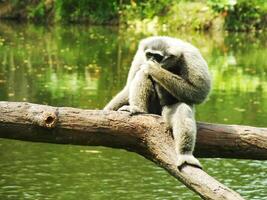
{"points": [[171, 62], [166, 61], [154, 56], [157, 51]]}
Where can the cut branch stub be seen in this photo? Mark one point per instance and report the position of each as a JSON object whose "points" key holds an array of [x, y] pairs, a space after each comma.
{"points": [[42, 116]]}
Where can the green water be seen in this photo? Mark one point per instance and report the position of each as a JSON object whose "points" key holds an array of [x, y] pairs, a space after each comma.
{"points": [[83, 66]]}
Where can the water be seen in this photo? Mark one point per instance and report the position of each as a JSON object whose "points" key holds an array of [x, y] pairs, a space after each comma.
{"points": [[82, 66]]}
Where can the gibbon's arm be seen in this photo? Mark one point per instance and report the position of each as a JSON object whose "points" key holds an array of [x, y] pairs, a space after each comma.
{"points": [[121, 99], [180, 88]]}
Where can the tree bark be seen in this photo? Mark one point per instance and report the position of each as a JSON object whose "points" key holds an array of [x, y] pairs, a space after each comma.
{"points": [[146, 135]]}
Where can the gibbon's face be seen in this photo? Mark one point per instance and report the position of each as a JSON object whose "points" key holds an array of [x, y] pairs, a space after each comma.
{"points": [[162, 51]]}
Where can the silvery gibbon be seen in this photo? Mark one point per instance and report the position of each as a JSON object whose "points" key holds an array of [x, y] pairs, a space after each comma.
{"points": [[167, 76]]}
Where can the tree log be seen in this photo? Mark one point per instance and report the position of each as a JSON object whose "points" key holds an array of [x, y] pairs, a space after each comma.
{"points": [[146, 135]]}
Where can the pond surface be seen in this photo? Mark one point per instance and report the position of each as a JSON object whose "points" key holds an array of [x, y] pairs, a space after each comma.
{"points": [[83, 66]]}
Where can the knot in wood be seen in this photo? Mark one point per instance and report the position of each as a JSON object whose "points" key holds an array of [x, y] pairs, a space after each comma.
{"points": [[46, 117]]}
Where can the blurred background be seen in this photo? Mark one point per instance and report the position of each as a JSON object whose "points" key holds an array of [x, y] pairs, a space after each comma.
{"points": [[78, 53]]}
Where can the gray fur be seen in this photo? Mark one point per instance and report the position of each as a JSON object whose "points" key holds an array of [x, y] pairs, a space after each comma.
{"points": [[170, 85]]}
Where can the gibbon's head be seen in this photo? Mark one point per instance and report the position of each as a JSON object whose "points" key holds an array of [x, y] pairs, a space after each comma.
{"points": [[166, 51]]}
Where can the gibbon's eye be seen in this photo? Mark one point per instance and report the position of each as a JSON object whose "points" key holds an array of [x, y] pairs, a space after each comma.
{"points": [[149, 55], [158, 57], [154, 56]]}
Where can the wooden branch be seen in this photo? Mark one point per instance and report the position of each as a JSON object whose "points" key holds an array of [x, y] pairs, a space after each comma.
{"points": [[231, 141], [146, 135]]}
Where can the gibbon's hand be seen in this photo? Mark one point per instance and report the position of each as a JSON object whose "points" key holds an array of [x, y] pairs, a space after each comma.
{"points": [[149, 66]]}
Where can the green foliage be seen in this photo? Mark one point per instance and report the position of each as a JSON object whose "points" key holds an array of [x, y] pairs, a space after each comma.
{"points": [[241, 15], [86, 10], [245, 15], [95, 12], [220, 5], [236, 15], [37, 12], [141, 9], [192, 15]]}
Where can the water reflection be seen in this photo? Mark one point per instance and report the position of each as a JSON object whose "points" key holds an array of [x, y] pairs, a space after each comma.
{"points": [[84, 66]]}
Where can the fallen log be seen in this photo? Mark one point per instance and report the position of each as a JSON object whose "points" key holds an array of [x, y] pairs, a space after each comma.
{"points": [[146, 135]]}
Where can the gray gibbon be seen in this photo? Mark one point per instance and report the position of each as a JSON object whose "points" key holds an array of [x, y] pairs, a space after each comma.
{"points": [[167, 77]]}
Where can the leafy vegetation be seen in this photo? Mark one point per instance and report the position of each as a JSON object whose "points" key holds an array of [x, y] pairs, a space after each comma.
{"points": [[233, 15], [86, 10], [241, 15]]}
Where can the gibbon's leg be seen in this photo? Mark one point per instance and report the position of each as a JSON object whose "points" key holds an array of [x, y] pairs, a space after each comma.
{"points": [[180, 117], [140, 90], [121, 99]]}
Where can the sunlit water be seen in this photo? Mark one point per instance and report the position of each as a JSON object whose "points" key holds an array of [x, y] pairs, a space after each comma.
{"points": [[82, 66]]}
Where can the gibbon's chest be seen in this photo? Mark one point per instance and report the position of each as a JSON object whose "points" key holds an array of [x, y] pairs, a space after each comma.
{"points": [[165, 98]]}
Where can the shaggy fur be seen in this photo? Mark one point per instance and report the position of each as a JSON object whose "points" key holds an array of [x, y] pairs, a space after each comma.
{"points": [[167, 76]]}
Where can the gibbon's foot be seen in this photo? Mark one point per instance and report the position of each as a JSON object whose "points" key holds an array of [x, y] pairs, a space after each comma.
{"points": [[188, 159], [133, 110]]}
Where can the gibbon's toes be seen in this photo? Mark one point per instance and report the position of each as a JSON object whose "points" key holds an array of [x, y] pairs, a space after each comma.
{"points": [[187, 159], [134, 110], [125, 108]]}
